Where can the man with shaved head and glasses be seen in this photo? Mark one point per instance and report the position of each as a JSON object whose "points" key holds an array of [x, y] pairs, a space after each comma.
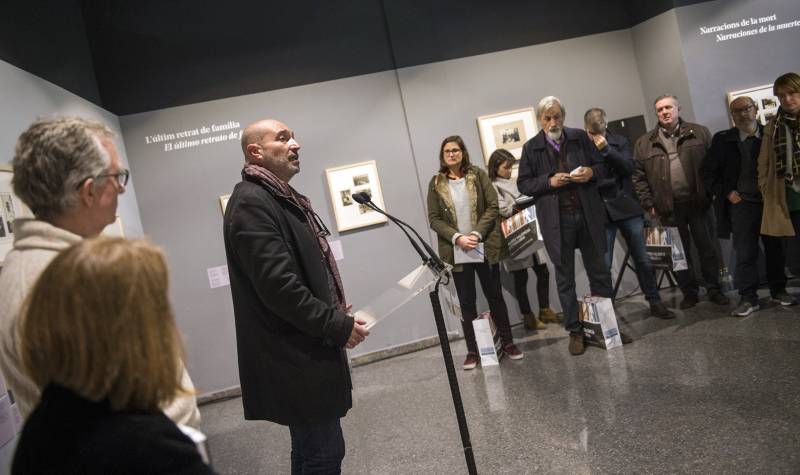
{"points": [[68, 172], [292, 319]]}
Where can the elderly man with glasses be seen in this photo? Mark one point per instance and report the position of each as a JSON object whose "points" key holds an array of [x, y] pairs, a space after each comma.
{"points": [[731, 176], [68, 172]]}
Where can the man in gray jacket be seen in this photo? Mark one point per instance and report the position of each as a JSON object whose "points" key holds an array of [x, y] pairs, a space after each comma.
{"points": [[68, 172], [668, 181]]}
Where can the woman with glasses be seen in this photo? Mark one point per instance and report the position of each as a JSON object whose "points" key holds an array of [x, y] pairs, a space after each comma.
{"points": [[510, 200], [98, 337], [462, 209]]}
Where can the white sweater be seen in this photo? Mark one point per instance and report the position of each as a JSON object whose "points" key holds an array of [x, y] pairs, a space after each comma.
{"points": [[36, 243]]}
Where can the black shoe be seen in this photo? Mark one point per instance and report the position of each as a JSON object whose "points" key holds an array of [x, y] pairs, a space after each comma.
{"points": [[660, 310], [625, 338], [688, 301], [718, 298]]}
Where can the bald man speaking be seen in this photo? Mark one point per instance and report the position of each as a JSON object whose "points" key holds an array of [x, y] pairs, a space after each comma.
{"points": [[292, 318]]}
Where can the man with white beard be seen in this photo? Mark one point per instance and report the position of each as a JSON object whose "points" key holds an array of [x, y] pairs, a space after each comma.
{"points": [[560, 169]]}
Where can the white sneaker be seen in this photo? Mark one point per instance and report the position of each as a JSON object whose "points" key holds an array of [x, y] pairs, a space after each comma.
{"points": [[744, 309], [784, 299]]}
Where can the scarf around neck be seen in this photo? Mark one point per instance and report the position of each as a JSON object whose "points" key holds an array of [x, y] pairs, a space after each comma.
{"points": [[283, 190], [787, 138]]}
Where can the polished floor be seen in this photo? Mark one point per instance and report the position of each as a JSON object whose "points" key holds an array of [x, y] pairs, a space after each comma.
{"points": [[704, 393]]}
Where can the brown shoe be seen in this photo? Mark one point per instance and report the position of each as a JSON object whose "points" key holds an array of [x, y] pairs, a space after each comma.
{"points": [[547, 315], [576, 345], [660, 310], [529, 320], [625, 338]]}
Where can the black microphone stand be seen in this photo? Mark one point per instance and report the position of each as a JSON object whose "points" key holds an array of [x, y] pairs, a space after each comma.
{"points": [[432, 260]]}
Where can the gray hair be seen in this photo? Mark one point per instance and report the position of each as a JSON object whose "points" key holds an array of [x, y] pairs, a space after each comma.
{"points": [[53, 157], [752, 101], [666, 96], [593, 114], [547, 103]]}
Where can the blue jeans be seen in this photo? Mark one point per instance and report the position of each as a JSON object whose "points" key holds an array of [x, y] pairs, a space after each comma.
{"points": [[317, 449], [633, 232]]}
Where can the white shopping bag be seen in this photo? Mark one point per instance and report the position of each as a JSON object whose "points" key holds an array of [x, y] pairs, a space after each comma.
{"points": [[486, 339], [599, 322], [665, 248]]}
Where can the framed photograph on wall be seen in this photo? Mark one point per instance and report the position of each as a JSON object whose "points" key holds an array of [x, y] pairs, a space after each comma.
{"points": [[12, 207], [356, 178], [766, 102], [508, 130]]}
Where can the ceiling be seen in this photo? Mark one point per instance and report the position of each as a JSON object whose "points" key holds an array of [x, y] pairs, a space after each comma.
{"points": [[131, 57]]}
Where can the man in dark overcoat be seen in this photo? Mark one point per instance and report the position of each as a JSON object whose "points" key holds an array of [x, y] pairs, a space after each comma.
{"points": [[730, 175], [292, 320], [560, 167]]}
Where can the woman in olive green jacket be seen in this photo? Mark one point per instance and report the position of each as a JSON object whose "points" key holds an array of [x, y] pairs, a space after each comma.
{"points": [[462, 209]]}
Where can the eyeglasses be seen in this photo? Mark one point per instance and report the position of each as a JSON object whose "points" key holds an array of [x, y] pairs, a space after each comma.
{"points": [[452, 151], [121, 176], [742, 110]]}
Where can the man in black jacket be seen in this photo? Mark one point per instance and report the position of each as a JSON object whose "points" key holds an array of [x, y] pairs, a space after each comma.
{"points": [[622, 206], [292, 320], [730, 174]]}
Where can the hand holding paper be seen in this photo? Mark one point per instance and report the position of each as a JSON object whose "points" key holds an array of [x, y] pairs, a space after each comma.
{"points": [[581, 174]]}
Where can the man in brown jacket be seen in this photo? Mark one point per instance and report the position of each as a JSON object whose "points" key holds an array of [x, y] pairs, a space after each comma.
{"points": [[668, 182]]}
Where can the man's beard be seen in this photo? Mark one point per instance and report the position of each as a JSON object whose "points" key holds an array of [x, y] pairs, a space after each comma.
{"points": [[555, 133]]}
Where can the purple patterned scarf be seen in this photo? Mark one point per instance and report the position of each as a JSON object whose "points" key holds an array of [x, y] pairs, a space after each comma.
{"points": [[284, 190]]}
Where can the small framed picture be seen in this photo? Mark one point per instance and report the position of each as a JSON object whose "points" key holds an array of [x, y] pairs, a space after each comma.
{"points": [[12, 208], [343, 183], [508, 130], [766, 102]]}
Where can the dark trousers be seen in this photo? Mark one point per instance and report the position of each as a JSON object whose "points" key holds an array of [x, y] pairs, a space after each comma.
{"points": [[489, 277], [633, 232], [795, 216], [691, 223], [317, 449], [746, 227], [575, 234], [542, 287]]}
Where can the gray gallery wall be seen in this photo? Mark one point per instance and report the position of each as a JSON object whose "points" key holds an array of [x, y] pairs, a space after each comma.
{"points": [[25, 97], [660, 62], [715, 68]]}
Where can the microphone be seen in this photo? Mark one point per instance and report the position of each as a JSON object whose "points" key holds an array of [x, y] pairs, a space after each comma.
{"points": [[432, 258], [362, 197]]}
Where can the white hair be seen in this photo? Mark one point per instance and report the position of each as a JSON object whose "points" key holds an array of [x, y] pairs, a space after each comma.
{"points": [[547, 103]]}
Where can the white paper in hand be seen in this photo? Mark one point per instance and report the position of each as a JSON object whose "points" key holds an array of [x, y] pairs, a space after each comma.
{"points": [[466, 257]]}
